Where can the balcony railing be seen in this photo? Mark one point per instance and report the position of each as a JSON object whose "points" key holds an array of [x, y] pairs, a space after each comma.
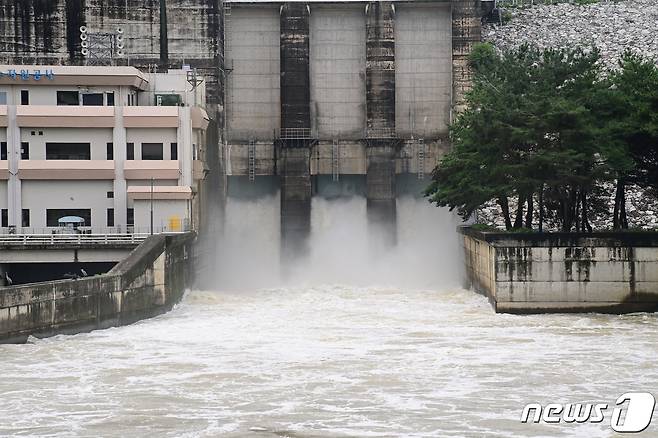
{"points": [[71, 239], [51, 237]]}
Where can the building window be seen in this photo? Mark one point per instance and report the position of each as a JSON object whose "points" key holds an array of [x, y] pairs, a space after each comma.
{"points": [[25, 97], [25, 218], [110, 217], [5, 218], [92, 99], [110, 151], [68, 98], [54, 214], [174, 151], [25, 150], [3, 98], [152, 151], [110, 195], [168, 99], [130, 151], [3, 150], [68, 151], [195, 152], [130, 217], [110, 98]]}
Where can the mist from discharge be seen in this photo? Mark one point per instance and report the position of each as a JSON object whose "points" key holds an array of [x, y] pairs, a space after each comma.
{"points": [[342, 249]]}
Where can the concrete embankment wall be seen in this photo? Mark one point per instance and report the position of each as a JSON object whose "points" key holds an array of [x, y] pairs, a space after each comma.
{"points": [[147, 283], [564, 272]]}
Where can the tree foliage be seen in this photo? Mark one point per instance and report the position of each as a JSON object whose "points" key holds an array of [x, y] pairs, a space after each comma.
{"points": [[550, 126]]}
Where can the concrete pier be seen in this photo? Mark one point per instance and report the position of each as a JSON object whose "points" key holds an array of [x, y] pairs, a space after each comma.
{"points": [[295, 181], [295, 80], [380, 191], [295, 137], [381, 141], [380, 70], [607, 272]]}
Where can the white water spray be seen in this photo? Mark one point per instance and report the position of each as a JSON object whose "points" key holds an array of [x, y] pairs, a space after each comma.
{"points": [[343, 249]]}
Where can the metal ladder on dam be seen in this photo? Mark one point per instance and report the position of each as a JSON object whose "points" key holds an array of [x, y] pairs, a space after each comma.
{"points": [[335, 160], [421, 158], [251, 160]]}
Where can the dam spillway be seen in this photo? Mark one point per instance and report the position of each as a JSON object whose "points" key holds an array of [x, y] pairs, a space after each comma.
{"points": [[294, 89], [341, 89]]}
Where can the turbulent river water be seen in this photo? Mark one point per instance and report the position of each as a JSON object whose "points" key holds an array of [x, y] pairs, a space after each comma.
{"points": [[323, 359], [327, 361]]}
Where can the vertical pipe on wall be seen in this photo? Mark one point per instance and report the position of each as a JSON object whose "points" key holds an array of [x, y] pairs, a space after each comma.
{"points": [[164, 40]]}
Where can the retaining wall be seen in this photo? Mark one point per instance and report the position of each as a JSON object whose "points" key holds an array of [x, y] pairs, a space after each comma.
{"points": [[147, 283], [564, 272]]}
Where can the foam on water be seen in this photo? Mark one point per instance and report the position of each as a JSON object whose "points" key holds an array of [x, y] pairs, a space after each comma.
{"points": [[325, 361], [348, 344]]}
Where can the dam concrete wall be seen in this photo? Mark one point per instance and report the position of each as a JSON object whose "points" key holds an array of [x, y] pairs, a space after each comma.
{"points": [[147, 283], [607, 272], [423, 74], [253, 93], [338, 76]]}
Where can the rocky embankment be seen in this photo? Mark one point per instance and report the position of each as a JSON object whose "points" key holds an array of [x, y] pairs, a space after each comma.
{"points": [[611, 26]]}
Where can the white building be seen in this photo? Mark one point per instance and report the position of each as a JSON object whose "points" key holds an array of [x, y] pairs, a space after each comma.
{"points": [[99, 143]]}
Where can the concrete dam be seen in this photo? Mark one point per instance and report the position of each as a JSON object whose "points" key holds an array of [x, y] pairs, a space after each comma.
{"points": [[337, 99], [316, 98]]}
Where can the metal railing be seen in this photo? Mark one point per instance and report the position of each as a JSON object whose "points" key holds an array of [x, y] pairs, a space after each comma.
{"points": [[183, 226], [381, 133], [71, 239], [296, 133]]}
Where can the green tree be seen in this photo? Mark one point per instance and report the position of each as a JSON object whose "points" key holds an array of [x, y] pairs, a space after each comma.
{"points": [[529, 131], [485, 163], [630, 107]]}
